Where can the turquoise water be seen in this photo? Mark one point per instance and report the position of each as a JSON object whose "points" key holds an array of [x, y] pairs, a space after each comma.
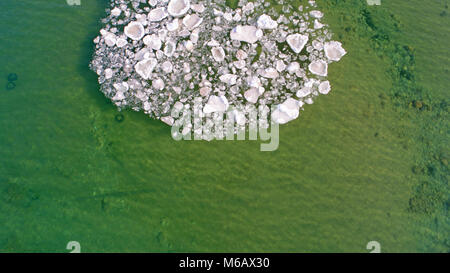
{"points": [[344, 174]]}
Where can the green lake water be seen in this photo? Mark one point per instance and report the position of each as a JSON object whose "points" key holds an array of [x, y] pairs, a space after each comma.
{"points": [[368, 162]]}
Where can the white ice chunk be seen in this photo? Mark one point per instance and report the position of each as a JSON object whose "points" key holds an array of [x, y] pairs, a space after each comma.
{"points": [[297, 42], [324, 87], [192, 21], [116, 12], [248, 34], [167, 66], [316, 14], [135, 31], [280, 66], [121, 42], [218, 53], [266, 22], [108, 73], [317, 24], [216, 104], [287, 111], [252, 95], [270, 73], [241, 54], [120, 88], [169, 48], [158, 84], [110, 39], [156, 15], [198, 7], [204, 91], [167, 120], [153, 41], [144, 68], [293, 67], [229, 79], [178, 8], [334, 50], [172, 26], [319, 68]]}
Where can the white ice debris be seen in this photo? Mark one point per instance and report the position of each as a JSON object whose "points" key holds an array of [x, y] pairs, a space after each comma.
{"points": [[173, 25], [145, 68], [218, 53], [248, 34], [334, 50], [297, 42], [287, 111], [266, 22], [167, 67], [216, 104], [307, 89], [241, 54], [158, 84], [110, 39], [229, 79], [153, 41], [121, 42], [134, 30], [293, 67], [252, 95], [204, 91], [270, 73], [319, 68], [316, 14], [198, 7], [178, 8], [280, 66], [192, 21], [162, 55], [116, 11], [108, 73], [157, 14], [324, 87]]}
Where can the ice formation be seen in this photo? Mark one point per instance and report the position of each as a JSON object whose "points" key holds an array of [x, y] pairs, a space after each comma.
{"points": [[159, 55]]}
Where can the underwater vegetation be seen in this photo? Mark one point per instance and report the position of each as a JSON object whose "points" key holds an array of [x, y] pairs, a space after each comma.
{"points": [[119, 117], [430, 113]]}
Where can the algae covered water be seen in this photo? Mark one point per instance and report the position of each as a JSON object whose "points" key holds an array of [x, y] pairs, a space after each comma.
{"points": [[368, 162]]}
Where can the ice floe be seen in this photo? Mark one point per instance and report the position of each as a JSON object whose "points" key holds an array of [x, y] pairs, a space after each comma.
{"points": [[162, 55]]}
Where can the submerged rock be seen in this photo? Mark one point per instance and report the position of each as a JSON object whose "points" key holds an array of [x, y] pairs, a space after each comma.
{"points": [[12, 77]]}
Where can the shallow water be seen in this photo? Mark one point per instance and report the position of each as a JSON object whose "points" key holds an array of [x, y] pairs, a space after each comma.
{"points": [[340, 178]]}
